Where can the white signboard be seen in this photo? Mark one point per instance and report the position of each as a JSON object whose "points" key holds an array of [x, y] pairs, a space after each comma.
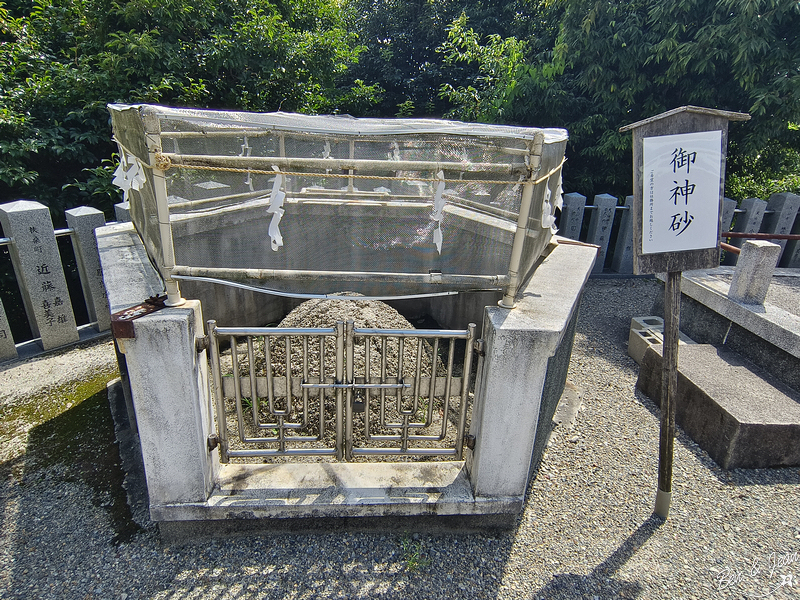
{"points": [[681, 192]]}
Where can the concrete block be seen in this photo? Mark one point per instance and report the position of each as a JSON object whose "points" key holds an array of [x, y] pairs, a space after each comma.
{"points": [[783, 212], [753, 272], [646, 332], [600, 224], [84, 220], [169, 386], [508, 392], [748, 221], [37, 264], [622, 261], [730, 408], [572, 215], [7, 348], [122, 212]]}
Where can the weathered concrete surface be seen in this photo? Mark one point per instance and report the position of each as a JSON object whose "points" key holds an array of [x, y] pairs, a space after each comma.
{"points": [[295, 490], [771, 323], [128, 276], [726, 405], [509, 390], [170, 390]]}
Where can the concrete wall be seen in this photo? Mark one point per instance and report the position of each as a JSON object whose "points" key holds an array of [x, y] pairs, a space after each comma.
{"points": [[524, 347]]}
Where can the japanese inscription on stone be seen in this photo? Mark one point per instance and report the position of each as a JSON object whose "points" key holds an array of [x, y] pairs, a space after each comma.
{"points": [[681, 192]]}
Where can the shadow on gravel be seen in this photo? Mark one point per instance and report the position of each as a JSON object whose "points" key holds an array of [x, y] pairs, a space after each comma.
{"points": [[78, 445], [600, 582]]}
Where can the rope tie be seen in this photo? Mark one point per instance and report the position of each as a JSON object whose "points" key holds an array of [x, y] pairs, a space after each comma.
{"points": [[163, 163]]}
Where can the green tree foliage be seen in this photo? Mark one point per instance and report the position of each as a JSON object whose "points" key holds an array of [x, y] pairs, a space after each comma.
{"points": [[613, 63], [401, 40], [64, 60]]}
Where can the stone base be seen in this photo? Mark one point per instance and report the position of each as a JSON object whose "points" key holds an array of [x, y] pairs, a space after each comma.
{"points": [[728, 407], [303, 496]]}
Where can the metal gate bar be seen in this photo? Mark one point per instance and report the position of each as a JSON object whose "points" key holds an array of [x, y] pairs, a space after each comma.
{"points": [[288, 400]]}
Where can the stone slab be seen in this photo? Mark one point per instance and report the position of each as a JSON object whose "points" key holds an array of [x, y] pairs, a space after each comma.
{"points": [[321, 490], [128, 276], [729, 407], [772, 324]]}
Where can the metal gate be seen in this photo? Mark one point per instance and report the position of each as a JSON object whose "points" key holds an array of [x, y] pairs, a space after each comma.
{"points": [[342, 391]]}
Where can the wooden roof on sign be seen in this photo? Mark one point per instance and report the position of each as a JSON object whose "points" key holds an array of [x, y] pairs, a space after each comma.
{"points": [[711, 112]]}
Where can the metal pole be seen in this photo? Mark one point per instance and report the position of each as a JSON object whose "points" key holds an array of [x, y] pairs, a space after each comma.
{"points": [[222, 427], [510, 294], [520, 235], [669, 391], [159, 181], [440, 279]]}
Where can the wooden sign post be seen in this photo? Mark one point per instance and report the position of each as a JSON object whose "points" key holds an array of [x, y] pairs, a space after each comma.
{"points": [[678, 185]]}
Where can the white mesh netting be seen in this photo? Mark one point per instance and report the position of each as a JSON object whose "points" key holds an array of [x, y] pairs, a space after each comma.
{"points": [[315, 204]]}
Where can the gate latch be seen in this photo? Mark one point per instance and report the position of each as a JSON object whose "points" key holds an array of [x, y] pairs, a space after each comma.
{"points": [[122, 321]]}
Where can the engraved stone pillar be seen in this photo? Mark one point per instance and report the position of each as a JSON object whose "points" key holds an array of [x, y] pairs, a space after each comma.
{"points": [[600, 224], [748, 221], [728, 208], [37, 264], [572, 215], [122, 212], [7, 348], [783, 211], [84, 220], [622, 262]]}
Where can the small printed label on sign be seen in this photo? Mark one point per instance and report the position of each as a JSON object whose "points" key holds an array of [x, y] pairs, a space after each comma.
{"points": [[681, 192]]}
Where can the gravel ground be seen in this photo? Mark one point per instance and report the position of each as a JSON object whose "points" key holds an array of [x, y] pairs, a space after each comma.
{"points": [[587, 530]]}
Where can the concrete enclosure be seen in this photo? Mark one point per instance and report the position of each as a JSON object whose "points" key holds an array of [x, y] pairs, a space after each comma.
{"points": [[520, 378]]}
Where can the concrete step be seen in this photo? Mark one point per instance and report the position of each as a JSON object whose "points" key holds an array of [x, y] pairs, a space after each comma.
{"points": [[730, 407]]}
